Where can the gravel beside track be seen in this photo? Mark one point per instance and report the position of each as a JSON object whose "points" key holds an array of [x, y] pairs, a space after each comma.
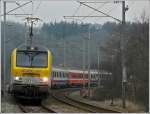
{"points": [[61, 95], [9, 104], [92, 107], [61, 107], [34, 109]]}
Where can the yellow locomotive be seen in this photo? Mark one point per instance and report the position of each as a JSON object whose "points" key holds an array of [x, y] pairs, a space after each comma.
{"points": [[30, 72]]}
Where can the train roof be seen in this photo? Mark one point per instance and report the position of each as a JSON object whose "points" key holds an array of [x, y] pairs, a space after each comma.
{"points": [[78, 71]]}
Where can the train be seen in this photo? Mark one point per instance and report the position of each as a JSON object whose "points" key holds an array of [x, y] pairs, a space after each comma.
{"points": [[64, 77], [31, 68], [32, 74]]}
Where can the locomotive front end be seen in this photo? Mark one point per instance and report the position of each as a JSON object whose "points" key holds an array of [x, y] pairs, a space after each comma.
{"points": [[30, 73]]}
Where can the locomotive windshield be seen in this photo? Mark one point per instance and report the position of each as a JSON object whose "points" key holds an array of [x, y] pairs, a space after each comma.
{"points": [[31, 59]]}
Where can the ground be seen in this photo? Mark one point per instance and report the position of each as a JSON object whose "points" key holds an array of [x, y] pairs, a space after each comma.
{"points": [[130, 106], [9, 105]]}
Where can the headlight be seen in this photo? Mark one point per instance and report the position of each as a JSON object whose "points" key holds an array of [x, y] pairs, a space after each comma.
{"points": [[16, 78], [45, 79]]}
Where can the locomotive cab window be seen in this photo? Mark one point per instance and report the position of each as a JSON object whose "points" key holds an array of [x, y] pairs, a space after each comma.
{"points": [[53, 74], [63, 75], [31, 59]]}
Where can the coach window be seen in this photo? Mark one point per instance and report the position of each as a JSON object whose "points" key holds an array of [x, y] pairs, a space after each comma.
{"points": [[62, 74], [80, 75], [59, 75], [104, 76], [96, 76], [101, 76], [86, 76], [54, 74], [66, 75]]}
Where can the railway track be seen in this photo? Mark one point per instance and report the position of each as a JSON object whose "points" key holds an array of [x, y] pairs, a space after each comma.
{"points": [[35, 108], [62, 97], [92, 107]]}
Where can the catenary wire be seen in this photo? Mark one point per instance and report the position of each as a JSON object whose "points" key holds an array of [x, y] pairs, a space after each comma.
{"points": [[94, 11]]}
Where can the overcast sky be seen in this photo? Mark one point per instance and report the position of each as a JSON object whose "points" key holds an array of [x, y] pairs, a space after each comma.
{"points": [[50, 11]]}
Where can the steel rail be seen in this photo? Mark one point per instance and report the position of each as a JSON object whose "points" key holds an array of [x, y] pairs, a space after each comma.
{"points": [[62, 97], [96, 108]]}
